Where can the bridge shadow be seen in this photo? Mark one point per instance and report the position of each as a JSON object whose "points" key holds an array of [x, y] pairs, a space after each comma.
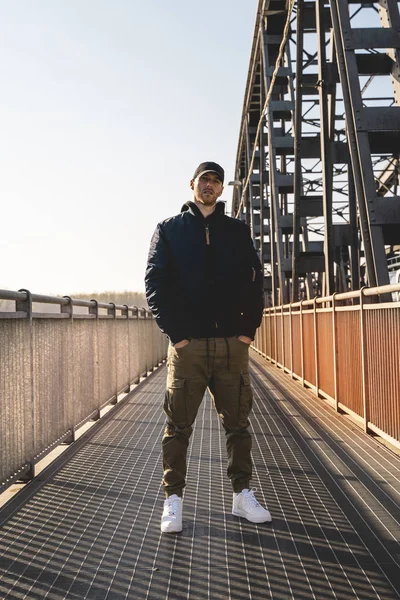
{"points": [[88, 526]]}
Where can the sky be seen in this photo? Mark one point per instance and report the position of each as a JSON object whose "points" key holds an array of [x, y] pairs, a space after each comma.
{"points": [[106, 110]]}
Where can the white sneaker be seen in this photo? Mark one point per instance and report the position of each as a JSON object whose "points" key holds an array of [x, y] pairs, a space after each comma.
{"points": [[171, 520], [245, 505]]}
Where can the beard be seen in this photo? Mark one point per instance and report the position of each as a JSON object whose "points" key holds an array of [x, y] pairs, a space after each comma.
{"points": [[206, 199]]}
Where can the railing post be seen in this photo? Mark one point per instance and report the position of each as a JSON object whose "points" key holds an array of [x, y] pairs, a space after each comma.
{"points": [[316, 344], [364, 364], [69, 310], [26, 306], [264, 333], [263, 336], [283, 339], [112, 310], [270, 333], [151, 339], [126, 313], [276, 338], [94, 310], [146, 369], [291, 340], [135, 314], [335, 362], [301, 343]]}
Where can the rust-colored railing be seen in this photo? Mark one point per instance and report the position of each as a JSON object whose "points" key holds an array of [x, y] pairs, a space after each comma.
{"points": [[346, 348], [60, 367]]}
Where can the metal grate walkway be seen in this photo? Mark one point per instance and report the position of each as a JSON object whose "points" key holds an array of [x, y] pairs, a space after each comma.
{"points": [[88, 527]]}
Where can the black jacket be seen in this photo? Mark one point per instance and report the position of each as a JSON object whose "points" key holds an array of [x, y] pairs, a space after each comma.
{"points": [[203, 276]]}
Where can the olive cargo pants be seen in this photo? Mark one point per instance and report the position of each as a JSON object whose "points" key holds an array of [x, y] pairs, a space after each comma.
{"points": [[221, 364]]}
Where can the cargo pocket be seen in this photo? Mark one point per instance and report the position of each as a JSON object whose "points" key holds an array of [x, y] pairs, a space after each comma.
{"points": [[245, 400], [175, 402]]}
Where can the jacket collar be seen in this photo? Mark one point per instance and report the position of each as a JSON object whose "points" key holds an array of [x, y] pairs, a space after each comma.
{"points": [[191, 207]]}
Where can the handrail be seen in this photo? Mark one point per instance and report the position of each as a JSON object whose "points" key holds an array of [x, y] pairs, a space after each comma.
{"points": [[365, 291], [25, 295], [60, 369], [347, 354]]}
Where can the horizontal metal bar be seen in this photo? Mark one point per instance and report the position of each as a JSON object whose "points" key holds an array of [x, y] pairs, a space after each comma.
{"points": [[372, 37], [62, 301], [311, 206], [84, 303], [38, 315], [373, 64], [380, 306], [348, 295], [385, 211], [12, 295], [17, 296], [383, 289], [376, 291], [379, 118], [348, 308]]}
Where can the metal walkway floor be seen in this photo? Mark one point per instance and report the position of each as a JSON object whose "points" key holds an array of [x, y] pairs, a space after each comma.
{"points": [[88, 526]]}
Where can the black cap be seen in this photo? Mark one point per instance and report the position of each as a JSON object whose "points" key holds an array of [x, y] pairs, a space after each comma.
{"points": [[209, 167]]}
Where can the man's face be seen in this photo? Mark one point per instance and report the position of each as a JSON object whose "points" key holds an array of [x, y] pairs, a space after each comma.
{"points": [[207, 188]]}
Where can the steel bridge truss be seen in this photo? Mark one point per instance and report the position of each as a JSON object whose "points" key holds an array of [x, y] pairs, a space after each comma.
{"points": [[317, 171]]}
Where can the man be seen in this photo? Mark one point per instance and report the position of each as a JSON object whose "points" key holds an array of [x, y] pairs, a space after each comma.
{"points": [[204, 287]]}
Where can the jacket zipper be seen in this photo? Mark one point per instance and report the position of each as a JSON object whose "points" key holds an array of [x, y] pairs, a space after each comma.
{"points": [[208, 243], [207, 235]]}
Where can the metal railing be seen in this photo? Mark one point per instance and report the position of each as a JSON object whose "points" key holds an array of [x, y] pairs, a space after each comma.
{"points": [[59, 368], [346, 348]]}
